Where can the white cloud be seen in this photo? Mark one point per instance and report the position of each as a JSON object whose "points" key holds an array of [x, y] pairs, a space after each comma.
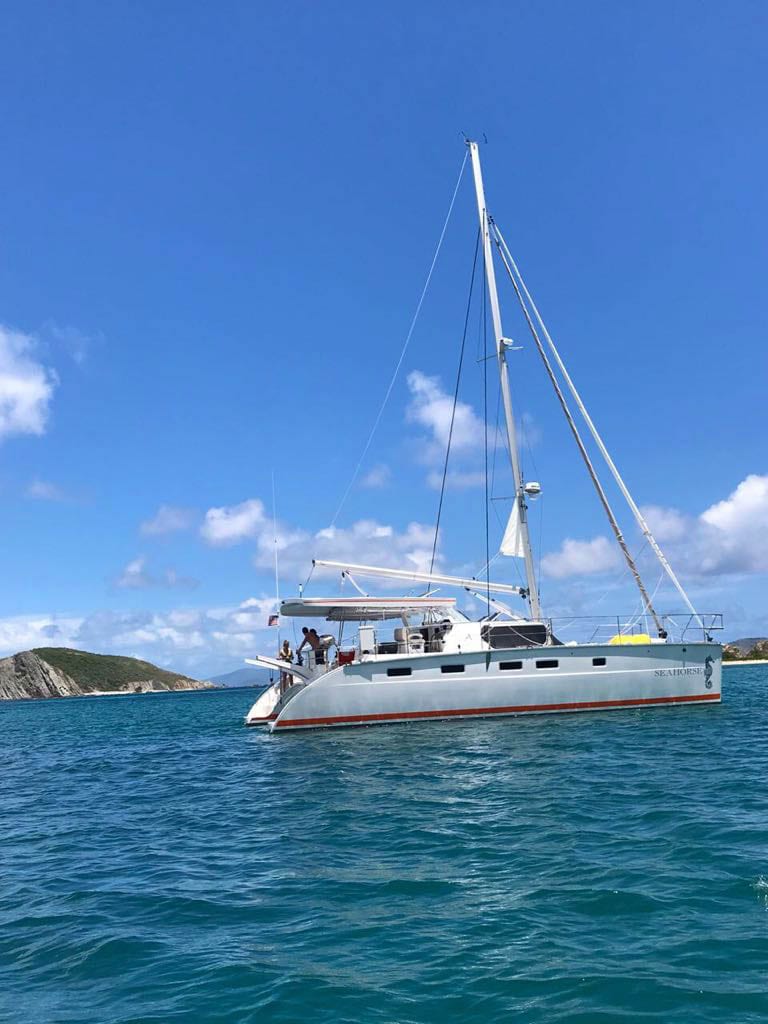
{"points": [[193, 640], [745, 509], [21, 632], [581, 557], [44, 490], [377, 476], [667, 524], [431, 408], [366, 542], [168, 519], [730, 536], [136, 577], [26, 386], [235, 523], [133, 576]]}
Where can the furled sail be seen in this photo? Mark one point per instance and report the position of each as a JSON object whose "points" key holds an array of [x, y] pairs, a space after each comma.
{"points": [[512, 541]]}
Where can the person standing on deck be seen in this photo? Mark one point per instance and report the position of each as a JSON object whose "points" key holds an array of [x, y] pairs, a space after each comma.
{"points": [[285, 654]]}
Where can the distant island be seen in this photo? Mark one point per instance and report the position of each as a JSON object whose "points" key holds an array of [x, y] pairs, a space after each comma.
{"points": [[242, 677], [65, 672], [749, 648]]}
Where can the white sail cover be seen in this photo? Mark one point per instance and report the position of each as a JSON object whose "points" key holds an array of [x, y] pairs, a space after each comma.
{"points": [[512, 541], [364, 609]]}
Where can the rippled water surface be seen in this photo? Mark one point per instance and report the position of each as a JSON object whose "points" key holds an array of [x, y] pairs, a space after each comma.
{"points": [[159, 863]]}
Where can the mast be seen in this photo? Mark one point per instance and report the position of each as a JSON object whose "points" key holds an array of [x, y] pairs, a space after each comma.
{"points": [[501, 355], [277, 571]]}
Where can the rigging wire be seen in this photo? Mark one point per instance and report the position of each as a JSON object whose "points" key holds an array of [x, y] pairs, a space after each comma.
{"points": [[579, 442], [455, 401], [640, 519], [405, 344]]}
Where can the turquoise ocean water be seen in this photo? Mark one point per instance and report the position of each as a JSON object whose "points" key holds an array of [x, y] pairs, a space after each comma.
{"points": [[161, 863]]}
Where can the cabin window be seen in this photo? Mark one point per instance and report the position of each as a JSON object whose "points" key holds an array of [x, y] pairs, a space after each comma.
{"points": [[549, 663], [451, 668], [507, 666], [598, 662], [398, 671]]}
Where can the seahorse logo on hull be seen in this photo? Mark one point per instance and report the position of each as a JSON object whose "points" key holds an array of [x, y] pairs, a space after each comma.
{"points": [[708, 671]]}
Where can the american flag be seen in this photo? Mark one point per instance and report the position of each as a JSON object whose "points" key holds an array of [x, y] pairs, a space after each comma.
{"points": [[273, 620]]}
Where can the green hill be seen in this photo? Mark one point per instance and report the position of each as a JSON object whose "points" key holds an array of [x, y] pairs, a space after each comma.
{"points": [[110, 671], [749, 648]]}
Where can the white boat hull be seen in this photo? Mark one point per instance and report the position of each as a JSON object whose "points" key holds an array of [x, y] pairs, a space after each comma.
{"points": [[369, 693], [263, 711]]}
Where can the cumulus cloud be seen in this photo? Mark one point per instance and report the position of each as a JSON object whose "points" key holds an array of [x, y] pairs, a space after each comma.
{"points": [[581, 557], [377, 476], [729, 537], [365, 542], [168, 519], [26, 386], [233, 524], [667, 524], [431, 408], [135, 576], [22, 632], [193, 640]]}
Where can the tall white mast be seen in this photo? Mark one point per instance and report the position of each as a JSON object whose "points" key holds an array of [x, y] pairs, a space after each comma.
{"points": [[501, 354], [277, 571]]}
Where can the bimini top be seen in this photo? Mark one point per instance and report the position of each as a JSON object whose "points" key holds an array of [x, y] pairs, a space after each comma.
{"points": [[360, 609]]}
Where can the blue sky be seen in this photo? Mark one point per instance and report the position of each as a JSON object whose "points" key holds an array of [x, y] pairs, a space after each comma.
{"points": [[215, 223]]}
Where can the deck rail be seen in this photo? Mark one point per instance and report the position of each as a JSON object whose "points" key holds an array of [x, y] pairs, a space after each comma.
{"points": [[678, 626]]}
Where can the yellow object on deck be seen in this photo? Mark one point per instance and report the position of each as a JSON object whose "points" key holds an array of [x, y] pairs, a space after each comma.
{"points": [[630, 638]]}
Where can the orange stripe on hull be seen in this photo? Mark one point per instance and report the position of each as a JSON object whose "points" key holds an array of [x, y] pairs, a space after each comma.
{"points": [[262, 721], [401, 716]]}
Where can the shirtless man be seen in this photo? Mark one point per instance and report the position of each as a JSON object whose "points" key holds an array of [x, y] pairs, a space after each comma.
{"points": [[311, 638]]}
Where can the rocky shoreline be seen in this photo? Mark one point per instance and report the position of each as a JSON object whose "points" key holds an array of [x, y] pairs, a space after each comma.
{"points": [[28, 676]]}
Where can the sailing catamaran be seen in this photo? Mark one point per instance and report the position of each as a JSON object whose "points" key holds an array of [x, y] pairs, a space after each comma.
{"points": [[437, 663]]}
